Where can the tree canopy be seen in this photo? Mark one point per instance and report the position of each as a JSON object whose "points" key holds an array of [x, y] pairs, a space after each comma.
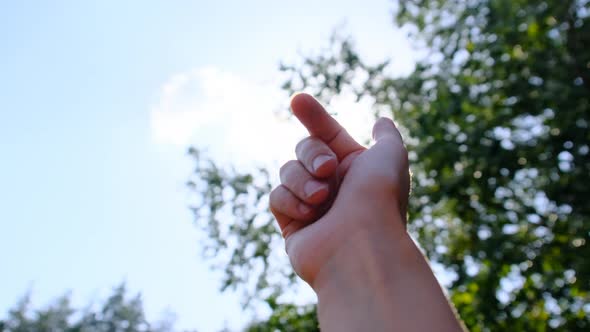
{"points": [[119, 313], [495, 116]]}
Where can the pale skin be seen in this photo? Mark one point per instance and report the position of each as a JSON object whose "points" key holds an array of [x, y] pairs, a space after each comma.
{"points": [[342, 210]]}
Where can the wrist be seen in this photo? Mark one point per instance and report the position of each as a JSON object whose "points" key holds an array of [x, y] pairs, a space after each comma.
{"points": [[357, 285], [381, 280], [367, 260], [371, 249]]}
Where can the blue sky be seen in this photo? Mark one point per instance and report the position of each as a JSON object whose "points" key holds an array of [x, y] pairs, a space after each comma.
{"points": [[98, 102]]}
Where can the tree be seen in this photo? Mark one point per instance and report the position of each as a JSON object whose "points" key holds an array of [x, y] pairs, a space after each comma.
{"points": [[287, 318], [496, 120], [118, 313]]}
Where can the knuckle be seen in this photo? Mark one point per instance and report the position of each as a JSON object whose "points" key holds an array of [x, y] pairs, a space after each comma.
{"points": [[277, 200], [287, 166], [303, 144], [273, 197], [273, 211], [272, 206]]}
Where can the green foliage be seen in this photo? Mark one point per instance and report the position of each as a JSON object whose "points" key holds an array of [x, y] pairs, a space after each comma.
{"points": [[287, 318], [496, 120], [118, 313], [241, 249]]}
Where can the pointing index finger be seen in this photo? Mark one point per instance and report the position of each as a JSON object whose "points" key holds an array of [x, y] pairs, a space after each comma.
{"points": [[322, 125]]}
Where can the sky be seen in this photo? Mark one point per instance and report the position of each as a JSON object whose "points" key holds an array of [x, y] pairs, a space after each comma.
{"points": [[98, 104]]}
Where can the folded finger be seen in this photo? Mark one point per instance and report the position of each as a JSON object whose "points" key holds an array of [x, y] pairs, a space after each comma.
{"points": [[286, 203], [317, 157], [302, 184]]}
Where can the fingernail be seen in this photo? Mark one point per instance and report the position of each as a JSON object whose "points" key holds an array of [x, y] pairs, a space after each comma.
{"points": [[304, 209], [320, 160], [312, 187]]}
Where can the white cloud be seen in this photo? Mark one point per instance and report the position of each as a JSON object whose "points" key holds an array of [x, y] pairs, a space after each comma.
{"points": [[239, 120], [233, 118]]}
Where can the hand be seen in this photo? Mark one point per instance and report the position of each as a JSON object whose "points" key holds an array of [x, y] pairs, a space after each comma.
{"points": [[342, 210], [338, 190]]}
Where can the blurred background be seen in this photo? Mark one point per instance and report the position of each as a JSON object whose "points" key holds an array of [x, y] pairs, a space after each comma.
{"points": [[139, 141]]}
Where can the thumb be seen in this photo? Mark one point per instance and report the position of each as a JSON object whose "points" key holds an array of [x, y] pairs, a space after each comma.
{"points": [[394, 160], [385, 128]]}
